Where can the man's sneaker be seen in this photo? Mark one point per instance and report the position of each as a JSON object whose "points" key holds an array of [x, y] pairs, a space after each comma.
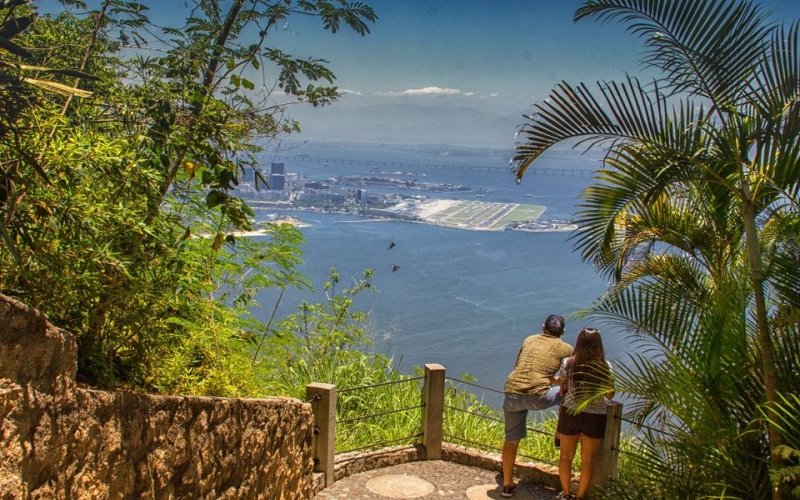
{"points": [[561, 496], [508, 491]]}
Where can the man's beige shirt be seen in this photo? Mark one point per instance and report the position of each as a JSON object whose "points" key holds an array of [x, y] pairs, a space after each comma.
{"points": [[538, 360]]}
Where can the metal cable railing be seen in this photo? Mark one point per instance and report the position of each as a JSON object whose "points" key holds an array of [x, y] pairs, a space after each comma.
{"points": [[649, 428], [379, 384], [378, 445], [632, 422], [473, 384], [371, 416], [494, 419], [387, 412]]}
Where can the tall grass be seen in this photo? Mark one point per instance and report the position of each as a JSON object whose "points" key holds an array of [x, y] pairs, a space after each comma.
{"points": [[371, 417]]}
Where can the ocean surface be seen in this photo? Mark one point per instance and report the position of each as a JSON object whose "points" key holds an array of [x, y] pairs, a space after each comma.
{"points": [[463, 299]]}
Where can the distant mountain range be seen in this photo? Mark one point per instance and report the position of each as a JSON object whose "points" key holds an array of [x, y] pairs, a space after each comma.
{"points": [[407, 124]]}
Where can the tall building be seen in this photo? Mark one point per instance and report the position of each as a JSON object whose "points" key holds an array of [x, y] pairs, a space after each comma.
{"points": [[277, 177], [277, 182]]}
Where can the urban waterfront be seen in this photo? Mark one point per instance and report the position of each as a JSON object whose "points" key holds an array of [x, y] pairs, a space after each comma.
{"points": [[464, 299]]}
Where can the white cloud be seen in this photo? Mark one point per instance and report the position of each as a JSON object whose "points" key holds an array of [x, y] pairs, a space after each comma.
{"points": [[425, 91], [348, 91]]}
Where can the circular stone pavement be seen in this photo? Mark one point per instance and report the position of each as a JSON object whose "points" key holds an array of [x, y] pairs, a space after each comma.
{"points": [[399, 486], [484, 491]]}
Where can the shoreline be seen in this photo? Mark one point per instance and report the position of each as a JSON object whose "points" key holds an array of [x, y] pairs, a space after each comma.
{"points": [[424, 211]]}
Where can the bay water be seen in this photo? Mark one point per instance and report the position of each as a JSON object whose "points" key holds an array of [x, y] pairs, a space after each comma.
{"points": [[463, 299]]}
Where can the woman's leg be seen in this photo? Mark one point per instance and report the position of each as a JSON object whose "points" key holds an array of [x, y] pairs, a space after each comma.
{"points": [[589, 447], [569, 444]]}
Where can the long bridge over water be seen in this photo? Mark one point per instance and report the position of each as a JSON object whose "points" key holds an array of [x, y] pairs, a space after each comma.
{"points": [[573, 172]]}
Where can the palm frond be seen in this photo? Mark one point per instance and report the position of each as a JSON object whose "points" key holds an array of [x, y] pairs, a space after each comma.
{"points": [[13, 48], [707, 47], [661, 299], [54, 71], [774, 106], [612, 208], [782, 238], [58, 88]]}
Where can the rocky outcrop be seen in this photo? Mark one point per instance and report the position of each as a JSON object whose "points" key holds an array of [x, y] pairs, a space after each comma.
{"points": [[60, 441]]}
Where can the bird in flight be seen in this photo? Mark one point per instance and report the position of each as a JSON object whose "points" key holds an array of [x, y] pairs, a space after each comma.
{"points": [[391, 245], [395, 267]]}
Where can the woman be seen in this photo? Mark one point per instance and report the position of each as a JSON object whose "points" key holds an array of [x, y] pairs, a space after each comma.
{"points": [[582, 417]]}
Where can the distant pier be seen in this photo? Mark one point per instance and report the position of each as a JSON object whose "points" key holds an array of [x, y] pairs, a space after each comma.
{"points": [[571, 172]]}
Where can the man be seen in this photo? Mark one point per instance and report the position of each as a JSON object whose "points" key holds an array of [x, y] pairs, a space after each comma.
{"points": [[532, 385]]}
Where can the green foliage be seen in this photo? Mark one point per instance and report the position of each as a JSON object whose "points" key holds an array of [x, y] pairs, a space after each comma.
{"points": [[318, 343], [370, 415], [788, 475], [116, 210]]}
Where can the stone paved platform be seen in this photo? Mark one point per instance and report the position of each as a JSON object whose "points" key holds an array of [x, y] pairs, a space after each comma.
{"points": [[428, 480]]}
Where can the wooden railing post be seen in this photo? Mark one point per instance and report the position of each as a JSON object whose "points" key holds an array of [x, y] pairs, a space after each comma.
{"points": [[607, 460], [323, 406], [433, 411]]}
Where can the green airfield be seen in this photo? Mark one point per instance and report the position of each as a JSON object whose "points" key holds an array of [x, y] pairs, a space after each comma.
{"points": [[484, 216]]}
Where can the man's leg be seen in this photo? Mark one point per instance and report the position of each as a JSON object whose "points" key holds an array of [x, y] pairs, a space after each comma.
{"points": [[515, 415], [509, 458]]}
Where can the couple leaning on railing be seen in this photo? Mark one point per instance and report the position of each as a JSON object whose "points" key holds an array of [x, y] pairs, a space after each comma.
{"points": [[584, 383]]}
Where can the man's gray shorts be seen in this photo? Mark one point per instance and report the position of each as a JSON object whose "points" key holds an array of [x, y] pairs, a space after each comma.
{"points": [[516, 407]]}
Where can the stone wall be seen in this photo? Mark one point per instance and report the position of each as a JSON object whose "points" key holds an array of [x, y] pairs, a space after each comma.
{"points": [[61, 441]]}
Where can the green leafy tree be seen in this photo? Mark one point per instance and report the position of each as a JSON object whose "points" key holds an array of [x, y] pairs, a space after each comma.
{"points": [[701, 168], [119, 208]]}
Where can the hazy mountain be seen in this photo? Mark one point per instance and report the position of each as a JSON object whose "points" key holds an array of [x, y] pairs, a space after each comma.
{"points": [[408, 124]]}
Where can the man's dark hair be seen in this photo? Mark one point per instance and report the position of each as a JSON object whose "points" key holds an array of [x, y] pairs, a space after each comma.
{"points": [[554, 325]]}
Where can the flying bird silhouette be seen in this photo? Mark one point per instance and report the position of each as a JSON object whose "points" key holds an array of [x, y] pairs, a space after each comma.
{"points": [[395, 267], [391, 245]]}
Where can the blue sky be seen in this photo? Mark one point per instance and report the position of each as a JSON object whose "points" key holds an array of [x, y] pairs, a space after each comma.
{"points": [[456, 71], [452, 71], [462, 71]]}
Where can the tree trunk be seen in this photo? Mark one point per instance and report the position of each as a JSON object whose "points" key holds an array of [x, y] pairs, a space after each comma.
{"points": [[753, 248]]}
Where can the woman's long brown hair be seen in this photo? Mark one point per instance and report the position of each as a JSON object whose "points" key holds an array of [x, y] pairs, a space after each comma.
{"points": [[589, 367]]}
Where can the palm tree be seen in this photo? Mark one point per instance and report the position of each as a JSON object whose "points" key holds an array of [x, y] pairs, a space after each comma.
{"points": [[720, 126], [698, 382]]}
